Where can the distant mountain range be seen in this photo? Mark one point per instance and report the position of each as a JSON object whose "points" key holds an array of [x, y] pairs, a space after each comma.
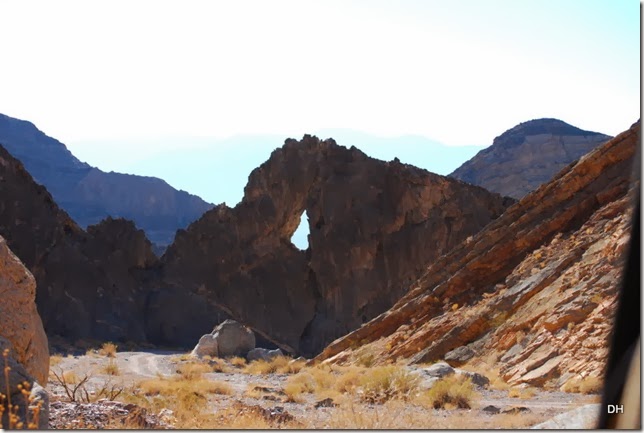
{"points": [[89, 195]]}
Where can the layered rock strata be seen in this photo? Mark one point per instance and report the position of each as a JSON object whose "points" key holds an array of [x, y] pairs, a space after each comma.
{"points": [[533, 293]]}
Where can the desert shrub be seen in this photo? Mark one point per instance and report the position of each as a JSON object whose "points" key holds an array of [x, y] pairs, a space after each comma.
{"points": [[237, 361], [585, 385], [365, 357], [380, 384], [279, 364], [348, 380], [55, 360], [293, 392], [523, 393], [453, 391], [111, 368], [108, 349], [301, 382], [292, 367], [218, 365], [76, 389]]}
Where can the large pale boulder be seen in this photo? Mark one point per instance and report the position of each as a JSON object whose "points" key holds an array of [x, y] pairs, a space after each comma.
{"points": [[207, 346], [233, 339], [20, 323]]}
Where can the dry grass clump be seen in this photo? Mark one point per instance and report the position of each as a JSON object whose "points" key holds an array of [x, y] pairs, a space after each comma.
{"points": [[523, 393], [293, 392], [365, 357], [279, 364], [451, 392], [218, 365], [193, 370], [380, 384], [585, 385], [108, 349], [70, 377], [55, 360], [348, 380], [237, 361], [111, 368]]}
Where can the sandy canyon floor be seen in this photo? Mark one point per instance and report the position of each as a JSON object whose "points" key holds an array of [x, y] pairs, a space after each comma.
{"points": [[162, 389]]}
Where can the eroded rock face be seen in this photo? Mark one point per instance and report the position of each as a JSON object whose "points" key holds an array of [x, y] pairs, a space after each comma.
{"points": [[528, 155], [89, 284], [534, 291], [23, 343], [372, 224]]}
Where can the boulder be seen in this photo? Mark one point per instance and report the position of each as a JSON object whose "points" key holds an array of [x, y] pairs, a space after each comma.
{"points": [[20, 323], [207, 346], [233, 338], [476, 378], [439, 370], [459, 356], [263, 354]]}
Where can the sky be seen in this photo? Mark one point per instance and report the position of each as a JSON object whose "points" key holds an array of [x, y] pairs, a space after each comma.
{"points": [[120, 82]]}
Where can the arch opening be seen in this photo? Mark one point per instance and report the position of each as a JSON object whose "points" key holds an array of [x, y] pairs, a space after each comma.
{"points": [[300, 237]]}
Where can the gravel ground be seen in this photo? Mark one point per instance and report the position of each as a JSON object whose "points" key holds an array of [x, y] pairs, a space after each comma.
{"points": [[310, 412]]}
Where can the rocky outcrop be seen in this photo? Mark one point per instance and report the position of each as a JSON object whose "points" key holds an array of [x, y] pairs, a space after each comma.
{"points": [[372, 224], [23, 344], [89, 284], [528, 155], [534, 291], [20, 323], [90, 195]]}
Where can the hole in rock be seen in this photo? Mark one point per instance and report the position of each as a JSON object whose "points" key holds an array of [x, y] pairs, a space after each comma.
{"points": [[300, 237]]}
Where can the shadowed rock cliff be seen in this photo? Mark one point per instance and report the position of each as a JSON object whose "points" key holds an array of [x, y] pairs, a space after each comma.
{"points": [[528, 155], [89, 284], [533, 293], [373, 224]]}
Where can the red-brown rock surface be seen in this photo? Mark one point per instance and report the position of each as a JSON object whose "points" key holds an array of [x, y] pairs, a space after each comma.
{"points": [[373, 225], [534, 292], [528, 155]]}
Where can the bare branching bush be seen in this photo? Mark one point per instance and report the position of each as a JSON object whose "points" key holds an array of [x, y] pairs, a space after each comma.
{"points": [[77, 390]]}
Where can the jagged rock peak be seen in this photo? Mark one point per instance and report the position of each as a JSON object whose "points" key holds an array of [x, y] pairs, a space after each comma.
{"points": [[372, 225]]}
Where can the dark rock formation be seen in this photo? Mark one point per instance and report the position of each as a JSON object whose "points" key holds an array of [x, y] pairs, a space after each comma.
{"points": [[535, 290], [89, 195], [372, 224], [89, 284], [528, 155]]}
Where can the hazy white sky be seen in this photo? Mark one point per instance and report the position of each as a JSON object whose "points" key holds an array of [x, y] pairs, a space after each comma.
{"points": [[457, 71]]}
